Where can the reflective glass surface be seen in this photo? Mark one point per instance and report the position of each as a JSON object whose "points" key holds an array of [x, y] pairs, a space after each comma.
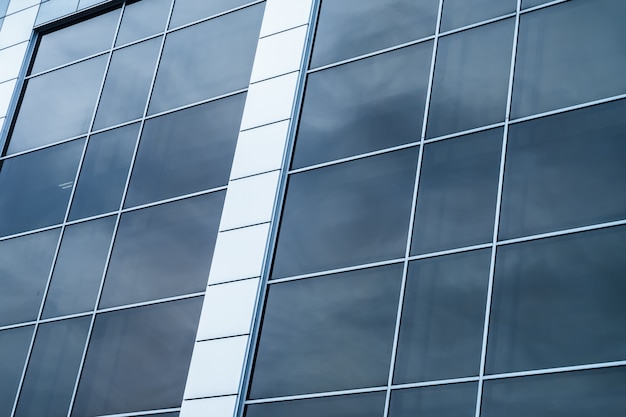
{"points": [[575, 43], [163, 251], [53, 368], [348, 28], [327, 333], [459, 13], [187, 11], [35, 187], [141, 19], [359, 405], [186, 151], [456, 400], [346, 214], [24, 267], [364, 106], [531, 3], [558, 302], [15, 343], [79, 267], [456, 200], [71, 92], [138, 359], [189, 73], [471, 78], [442, 319], [565, 171]]}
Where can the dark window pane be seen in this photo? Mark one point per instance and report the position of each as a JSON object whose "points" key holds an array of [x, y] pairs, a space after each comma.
{"points": [[327, 333], [364, 106], [53, 368], [348, 28], [458, 13], [456, 400], [442, 320], [127, 84], [359, 405], [559, 302], [348, 214], [187, 11], [471, 79], [568, 54], [104, 172], [456, 201], [35, 188], [565, 171], [138, 359], [186, 151], [530, 3], [598, 392], [76, 41], [163, 251], [206, 60], [14, 344], [143, 18], [62, 102], [24, 268], [79, 267]]}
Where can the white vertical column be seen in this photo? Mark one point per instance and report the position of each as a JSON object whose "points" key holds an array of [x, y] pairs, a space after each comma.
{"points": [[219, 356]]}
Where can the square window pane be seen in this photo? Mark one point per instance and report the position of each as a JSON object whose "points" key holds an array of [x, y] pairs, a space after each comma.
{"points": [[455, 400], [15, 343], [459, 13], [359, 405], [142, 19]]}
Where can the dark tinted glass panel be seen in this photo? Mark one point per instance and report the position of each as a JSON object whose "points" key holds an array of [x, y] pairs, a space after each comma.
{"points": [[35, 188], [14, 344], [79, 267], [163, 251], [458, 13], [456, 400], [348, 28], [187, 151], [143, 18], [530, 3], [363, 106], [127, 84], [576, 43], [578, 394], [471, 79], [559, 302], [327, 333], [138, 359], [456, 201], [360, 405], [187, 11], [565, 171], [104, 172], [347, 214], [76, 41], [62, 102], [442, 319], [24, 267], [189, 73], [53, 368]]}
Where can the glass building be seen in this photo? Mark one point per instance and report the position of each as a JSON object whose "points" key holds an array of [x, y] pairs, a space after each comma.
{"points": [[339, 208]]}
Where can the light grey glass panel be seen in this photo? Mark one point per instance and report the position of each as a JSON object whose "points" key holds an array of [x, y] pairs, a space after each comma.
{"points": [[82, 4], [348, 28], [471, 79], [24, 267], [53, 9], [62, 102], [359, 405], [348, 214], [456, 201], [53, 368], [79, 267], [35, 187], [143, 18], [327, 333], [559, 302], [15, 343], [597, 392], [187, 11], [76, 41], [189, 73], [458, 13], [565, 171], [442, 319], [455, 400], [127, 84], [364, 106], [104, 172], [186, 151], [163, 251], [138, 359], [568, 54]]}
